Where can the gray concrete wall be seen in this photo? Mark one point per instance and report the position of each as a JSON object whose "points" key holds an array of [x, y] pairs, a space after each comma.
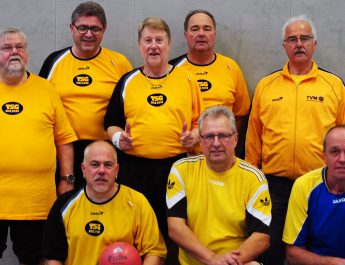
{"points": [[249, 31]]}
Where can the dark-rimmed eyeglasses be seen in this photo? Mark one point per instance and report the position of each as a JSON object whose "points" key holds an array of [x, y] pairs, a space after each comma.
{"points": [[294, 39], [222, 137], [9, 48], [83, 29]]}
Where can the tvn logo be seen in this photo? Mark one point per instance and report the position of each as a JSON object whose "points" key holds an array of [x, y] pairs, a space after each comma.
{"points": [[316, 99], [12, 108]]}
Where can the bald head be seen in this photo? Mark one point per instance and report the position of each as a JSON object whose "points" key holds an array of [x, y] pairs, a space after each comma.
{"points": [[330, 133], [100, 146]]}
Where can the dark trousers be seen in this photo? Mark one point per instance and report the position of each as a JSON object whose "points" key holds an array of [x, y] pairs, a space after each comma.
{"points": [[26, 236], [150, 176], [280, 189]]}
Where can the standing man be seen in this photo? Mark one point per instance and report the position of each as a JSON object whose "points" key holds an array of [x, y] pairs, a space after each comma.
{"points": [[314, 227], [219, 207], [33, 128], [85, 76], [81, 224], [220, 79], [291, 111], [152, 118]]}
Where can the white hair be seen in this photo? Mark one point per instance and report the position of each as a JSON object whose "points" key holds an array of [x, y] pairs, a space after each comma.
{"points": [[303, 18]]}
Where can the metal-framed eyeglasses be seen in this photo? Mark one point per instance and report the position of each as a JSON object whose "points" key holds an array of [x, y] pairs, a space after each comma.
{"points": [[294, 39], [9, 48], [222, 137], [83, 29]]}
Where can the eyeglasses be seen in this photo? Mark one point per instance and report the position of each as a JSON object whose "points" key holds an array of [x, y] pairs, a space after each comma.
{"points": [[294, 39], [82, 29], [223, 137], [9, 48]]}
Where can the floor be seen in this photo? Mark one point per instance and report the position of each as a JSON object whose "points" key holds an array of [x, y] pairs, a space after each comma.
{"points": [[8, 258]]}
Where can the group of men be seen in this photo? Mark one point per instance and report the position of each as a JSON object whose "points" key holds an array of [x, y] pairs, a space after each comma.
{"points": [[219, 208]]}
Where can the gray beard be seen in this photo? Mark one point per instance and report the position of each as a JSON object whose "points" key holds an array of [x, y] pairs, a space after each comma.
{"points": [[15, 71]]}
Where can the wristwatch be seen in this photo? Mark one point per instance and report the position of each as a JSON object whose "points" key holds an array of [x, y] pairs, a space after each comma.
{"points": [[69, 178]]}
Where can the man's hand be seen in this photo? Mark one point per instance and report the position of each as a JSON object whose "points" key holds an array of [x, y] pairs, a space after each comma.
{"points": [[229, 258], [187, 138], [125, 140]]}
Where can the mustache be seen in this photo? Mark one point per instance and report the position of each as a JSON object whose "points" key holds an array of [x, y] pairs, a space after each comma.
{"points": [[299, 50], [15, 57]]}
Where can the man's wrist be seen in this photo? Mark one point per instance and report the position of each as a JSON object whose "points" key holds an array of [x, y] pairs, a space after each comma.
{"points": [[116, 139], [68, 178]]}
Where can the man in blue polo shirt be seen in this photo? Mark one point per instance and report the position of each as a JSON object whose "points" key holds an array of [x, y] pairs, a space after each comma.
{"points": [[314, 228]]}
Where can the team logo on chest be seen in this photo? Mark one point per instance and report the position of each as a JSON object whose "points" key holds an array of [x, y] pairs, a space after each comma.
{"points": [[320, 99], [82, 80], [156, 100], [12, 108], [94, 228], [204, 85]]}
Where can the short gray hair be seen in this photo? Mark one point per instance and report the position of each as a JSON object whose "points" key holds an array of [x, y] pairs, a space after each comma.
{"points": [[215, 112], [302, 18], [6, 31]]}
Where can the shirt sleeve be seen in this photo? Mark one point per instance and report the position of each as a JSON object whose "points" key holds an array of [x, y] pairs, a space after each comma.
{"points": [[115, 113], [63, 131], [176, 195], [149, 240], [242, 100], [296, 223], [198, 104], [54, 244], [258, 208], [47, 66], [126, 65], [253, 144], [341, 105]]}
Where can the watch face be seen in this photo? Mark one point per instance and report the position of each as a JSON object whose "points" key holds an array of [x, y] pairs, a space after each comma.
{"points": [[70, 178]]}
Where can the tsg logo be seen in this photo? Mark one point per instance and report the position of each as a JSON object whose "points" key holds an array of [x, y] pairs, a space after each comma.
{"points": [[94, 228], [156, 100], [82, 80], [12, 108], [204, 85]]}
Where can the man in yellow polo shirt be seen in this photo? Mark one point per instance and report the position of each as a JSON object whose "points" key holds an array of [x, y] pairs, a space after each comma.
{"points": [[218, 206], [34, 130], [85, 76], [82, 223]]}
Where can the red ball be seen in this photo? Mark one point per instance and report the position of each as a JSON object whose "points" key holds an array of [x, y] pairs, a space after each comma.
{"points": [[120, 253]]}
